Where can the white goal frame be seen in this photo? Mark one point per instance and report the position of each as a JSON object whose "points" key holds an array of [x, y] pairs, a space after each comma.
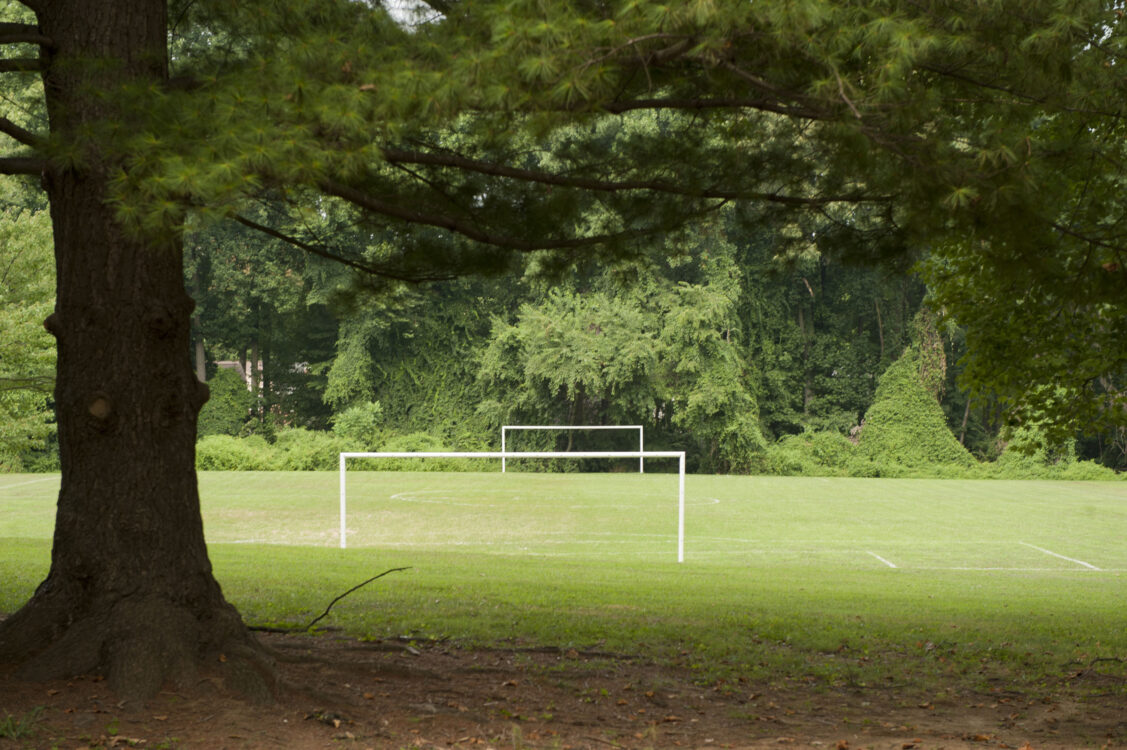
{"points": [[638, 427], [680, 455]]}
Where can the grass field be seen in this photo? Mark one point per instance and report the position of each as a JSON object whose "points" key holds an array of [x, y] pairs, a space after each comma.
{"points": [[850, 580]]}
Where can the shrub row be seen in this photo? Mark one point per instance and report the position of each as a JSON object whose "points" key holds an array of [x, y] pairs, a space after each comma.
{"points": [[830, 454], [299, 449], [808, 454]]}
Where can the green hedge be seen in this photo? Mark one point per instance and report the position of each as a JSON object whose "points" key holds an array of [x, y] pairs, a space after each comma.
{"points": [[299, 449], [229, 453], [812, 453]]}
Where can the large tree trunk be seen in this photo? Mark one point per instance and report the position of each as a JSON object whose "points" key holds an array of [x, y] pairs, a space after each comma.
{"points": [[130, 593]]}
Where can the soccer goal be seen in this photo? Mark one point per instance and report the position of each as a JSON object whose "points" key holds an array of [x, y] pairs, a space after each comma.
{"points": [[641, 437], [639, 454]]}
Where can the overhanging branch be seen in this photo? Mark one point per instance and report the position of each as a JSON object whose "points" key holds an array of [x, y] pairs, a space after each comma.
{"points": [[320, 252], [24, 136], [708, 103], [463, 227], [23, 33], [400, 156], [22, 165], [21, 65]]}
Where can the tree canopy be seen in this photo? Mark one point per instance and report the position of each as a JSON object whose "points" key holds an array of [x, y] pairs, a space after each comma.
{"points": [[982, 137]]}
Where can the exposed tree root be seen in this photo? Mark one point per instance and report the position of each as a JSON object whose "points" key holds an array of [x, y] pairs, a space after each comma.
{"points": [[139, 645]]}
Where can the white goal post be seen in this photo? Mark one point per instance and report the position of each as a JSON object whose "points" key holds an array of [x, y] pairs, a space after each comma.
{"points": [[639, 454], [638, 427]]}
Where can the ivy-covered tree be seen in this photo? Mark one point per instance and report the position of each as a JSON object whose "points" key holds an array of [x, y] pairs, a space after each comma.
{"points": [[905, 425], [574, 358]]}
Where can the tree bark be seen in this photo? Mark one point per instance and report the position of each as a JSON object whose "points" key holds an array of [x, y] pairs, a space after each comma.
{"points": [[197, 327], [880, 330], [963, 428], [807, 388], [201, 358], [130, 593], [255, 373]]}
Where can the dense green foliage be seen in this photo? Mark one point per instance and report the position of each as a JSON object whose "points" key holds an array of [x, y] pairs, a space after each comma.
{"points": [[360, 424], [749, 361], [655, 349], [449, 146], [229, 407], [27, 351]]}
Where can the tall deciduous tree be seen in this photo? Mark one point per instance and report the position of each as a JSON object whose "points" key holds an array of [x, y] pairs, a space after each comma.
{"points": [[890, 121]]}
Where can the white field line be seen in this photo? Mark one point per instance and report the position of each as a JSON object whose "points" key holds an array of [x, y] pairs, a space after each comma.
{"points": [[1054, 554], [21, 484], [886, 562], [1034, 570], [445, 497]]}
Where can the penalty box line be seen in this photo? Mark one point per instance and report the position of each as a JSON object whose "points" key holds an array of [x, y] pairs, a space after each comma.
{"points": [[1089, 566], [1062, 557], [886, 562]]}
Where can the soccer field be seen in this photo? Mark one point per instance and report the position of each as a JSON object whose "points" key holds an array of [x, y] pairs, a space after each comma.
{"points": [[836, 580], [882, 525]]}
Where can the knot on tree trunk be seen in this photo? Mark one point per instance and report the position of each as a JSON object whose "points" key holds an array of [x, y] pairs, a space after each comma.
{"points": [[53, 325], [100, 407], [165, 316], [201, 393]]}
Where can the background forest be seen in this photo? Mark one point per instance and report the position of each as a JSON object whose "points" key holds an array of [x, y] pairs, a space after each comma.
{"points": [[791, 334], [750, 350]]}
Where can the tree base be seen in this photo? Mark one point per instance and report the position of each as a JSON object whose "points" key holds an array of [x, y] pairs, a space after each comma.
{"points": [[139, 645]]}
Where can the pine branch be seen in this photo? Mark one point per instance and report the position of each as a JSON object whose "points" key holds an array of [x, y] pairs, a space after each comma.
{"points": [[23, 33], [400, 156], [24, 136], [20, 65], [706, 103], [466, 228], [22, 165], [440, 6], [29, 165], [321, 252]]}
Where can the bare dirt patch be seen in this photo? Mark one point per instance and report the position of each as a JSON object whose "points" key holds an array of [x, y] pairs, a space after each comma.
{"points": [[343, 693]]}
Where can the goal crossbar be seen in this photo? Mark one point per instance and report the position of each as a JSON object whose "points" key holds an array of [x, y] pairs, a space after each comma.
{"points": [[680, 455], [638, 427]]}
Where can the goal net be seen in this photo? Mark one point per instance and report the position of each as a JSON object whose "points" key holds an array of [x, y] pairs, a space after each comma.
{"points": [[505, 429], [422, 456]]}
